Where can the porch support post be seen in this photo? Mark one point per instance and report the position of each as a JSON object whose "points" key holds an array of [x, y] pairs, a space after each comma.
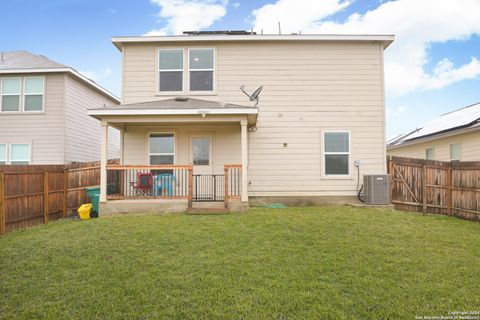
{"points": [[244, 195], [103, 162], [122, 137]]}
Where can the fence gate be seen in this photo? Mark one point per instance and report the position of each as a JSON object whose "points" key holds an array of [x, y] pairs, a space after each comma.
{"points": [[208, 187], [430, 186]]}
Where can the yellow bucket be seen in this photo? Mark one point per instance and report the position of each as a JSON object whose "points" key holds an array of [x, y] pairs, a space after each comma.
{"points": [[84, 211]]}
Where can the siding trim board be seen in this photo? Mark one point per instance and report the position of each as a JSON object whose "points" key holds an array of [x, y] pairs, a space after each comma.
{"points": [[385, 39]]}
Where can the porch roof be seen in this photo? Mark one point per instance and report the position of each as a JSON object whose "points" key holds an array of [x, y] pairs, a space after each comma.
{"points": [[183, 107]]}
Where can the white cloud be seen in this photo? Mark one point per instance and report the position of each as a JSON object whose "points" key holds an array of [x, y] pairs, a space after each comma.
{"points": [[184, 15], [97, 75], [445, 73], [236, 5], [395, 112], [294, 15], [416, 25]]}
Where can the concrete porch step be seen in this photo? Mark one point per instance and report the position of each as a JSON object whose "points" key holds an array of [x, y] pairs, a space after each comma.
{"points": [[207, 211]]}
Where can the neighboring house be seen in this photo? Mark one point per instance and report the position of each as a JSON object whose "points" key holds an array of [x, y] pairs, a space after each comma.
{"points": [[321, 110], [452, 136], [43, 117]]}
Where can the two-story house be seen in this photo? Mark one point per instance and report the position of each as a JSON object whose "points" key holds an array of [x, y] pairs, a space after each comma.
{"points": [[43, 112], [189, 134]]}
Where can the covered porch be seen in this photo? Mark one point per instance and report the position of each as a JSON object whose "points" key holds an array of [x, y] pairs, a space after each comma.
{"points": [[176, 154]]}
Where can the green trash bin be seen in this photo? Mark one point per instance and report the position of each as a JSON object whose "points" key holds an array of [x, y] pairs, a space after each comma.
{"points": [[94, 194]]}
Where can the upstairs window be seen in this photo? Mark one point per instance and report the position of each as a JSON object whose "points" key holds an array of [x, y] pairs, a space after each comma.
{"points": [[201, 69], [33, 92], [429, 154], [170, 70], [186, 71], [10, 94], [337, 153], [19, 153], [162, 148], [3, 154], [455, 151]]}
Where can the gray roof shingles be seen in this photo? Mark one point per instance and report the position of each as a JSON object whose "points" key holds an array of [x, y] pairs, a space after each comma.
{"points": [[189, 103], [26, 60]]}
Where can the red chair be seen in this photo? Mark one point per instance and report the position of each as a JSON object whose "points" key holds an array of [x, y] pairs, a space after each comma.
{"points": [[144, 184]]}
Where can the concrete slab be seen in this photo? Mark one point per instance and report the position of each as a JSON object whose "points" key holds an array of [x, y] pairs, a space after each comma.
{"points": [[142, 206]]}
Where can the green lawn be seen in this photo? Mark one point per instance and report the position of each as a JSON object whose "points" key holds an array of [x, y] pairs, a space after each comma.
{"points": [[294, 263]]}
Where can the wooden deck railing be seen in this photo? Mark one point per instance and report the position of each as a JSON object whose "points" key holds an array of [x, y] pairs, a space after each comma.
{"points": [[168, 182], [233, 182], [149, 182]]}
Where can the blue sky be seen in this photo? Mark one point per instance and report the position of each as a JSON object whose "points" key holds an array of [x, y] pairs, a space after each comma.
{"points": [[421, 84]]}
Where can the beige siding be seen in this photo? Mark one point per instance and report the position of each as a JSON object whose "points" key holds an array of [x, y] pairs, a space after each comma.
{"points": [[469, 147], [82, 132], [43, 131], [225, 143], [308, 88]]}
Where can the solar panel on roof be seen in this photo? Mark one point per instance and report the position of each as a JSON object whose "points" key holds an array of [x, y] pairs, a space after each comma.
{"points": [[464, 117]]}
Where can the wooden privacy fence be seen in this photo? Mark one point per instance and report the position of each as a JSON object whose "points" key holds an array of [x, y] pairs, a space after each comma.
{"points": [[428, 186], [31, 195]]}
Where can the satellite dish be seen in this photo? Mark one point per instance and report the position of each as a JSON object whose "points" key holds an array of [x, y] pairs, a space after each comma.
{"points": [[254, 96]]}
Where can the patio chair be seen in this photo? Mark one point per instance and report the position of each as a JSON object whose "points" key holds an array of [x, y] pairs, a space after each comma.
{"points": [[163, 184], [144, 184]]}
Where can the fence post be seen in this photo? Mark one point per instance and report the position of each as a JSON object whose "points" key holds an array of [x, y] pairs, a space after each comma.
{"points": [[424, 191], [225, 201], [45, 197], [190, 186], [2, 204], [392, 174], [449, 190], [65, 192]]}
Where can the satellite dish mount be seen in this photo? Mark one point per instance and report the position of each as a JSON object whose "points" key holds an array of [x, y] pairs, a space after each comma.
{"points": [[254, 96]]}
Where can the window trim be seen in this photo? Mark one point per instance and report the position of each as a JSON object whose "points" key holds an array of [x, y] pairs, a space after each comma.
{"points": [[33, 94], [186, 72], [171, 70], [214, 73], [19, 94], [6, 151], [29, 152], [459, 151], [163, 153], [349, 153]]}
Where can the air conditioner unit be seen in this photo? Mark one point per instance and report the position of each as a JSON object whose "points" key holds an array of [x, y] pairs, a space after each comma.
{"points": [[376, 188]]}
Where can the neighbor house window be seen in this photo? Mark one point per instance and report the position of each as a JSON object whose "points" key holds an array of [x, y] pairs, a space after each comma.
{"points": [[19, 153], [455, 151], [429, 154], [170, 70], [162, 148], [3, 153], [10, 94], [337, 153], [200, 67], [33, 94]]}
